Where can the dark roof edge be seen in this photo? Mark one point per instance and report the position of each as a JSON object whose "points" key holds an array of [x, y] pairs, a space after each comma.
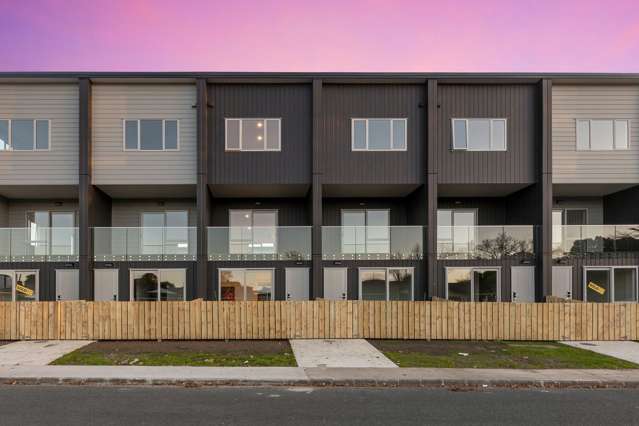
{"points": [[312, 75]]}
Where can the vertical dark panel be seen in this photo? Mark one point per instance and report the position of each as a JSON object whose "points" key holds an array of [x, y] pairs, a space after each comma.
{"points": [[317, 285], [431, 188], [85, 187], [290, 102], [519, 206], [622, 207], [202, 190], [545, 232], [342, 103], [517, 103]]}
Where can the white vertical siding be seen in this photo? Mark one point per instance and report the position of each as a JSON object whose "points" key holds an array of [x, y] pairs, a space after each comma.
{"points": [[112, 103], [570, 103], [58, 103], [18, 209], [128, 212]]}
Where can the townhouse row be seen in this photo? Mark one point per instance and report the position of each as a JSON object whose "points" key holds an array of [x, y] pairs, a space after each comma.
{"points": [[484, 187]]}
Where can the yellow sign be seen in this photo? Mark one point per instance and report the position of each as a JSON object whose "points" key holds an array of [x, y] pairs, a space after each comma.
{"points": [[594, 287], [24, 290]]}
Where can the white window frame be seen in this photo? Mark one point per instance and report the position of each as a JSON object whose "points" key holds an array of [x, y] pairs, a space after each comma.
{"points": [[139, 149], [472, 279], [611, 270], [387, 269], [392, 125], [158, 272], [35, 135], [264, 120], [490, 134], [614, 138], [219, 282], [13, 273]]}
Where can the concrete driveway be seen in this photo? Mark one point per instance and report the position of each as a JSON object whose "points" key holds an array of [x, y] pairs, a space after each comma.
{"points": [[338, 353]]}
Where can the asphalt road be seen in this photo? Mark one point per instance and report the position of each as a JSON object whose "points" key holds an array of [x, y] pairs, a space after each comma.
{"points": [[83, 405]]}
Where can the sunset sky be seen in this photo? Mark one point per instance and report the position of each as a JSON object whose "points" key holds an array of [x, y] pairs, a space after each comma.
{"points": [[322, 35]]}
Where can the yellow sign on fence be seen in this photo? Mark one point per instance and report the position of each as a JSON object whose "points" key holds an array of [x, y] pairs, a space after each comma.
{"points": [[594, 287], [24, 290]]}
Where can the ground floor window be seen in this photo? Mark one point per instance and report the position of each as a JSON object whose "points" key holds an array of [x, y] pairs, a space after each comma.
{"points": [[610, 284], [246, 284], [19, 286], [158, 284], [386, 283], [473, 284]]}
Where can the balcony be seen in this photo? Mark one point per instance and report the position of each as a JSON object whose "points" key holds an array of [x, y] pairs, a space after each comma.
{"points": [[372, 242], [484, 242], [253, 243], [144, 244], [581, 240], [38, 244]]}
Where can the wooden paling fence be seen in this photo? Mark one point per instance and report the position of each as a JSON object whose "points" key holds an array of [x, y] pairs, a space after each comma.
{"points": [[317, 319]]}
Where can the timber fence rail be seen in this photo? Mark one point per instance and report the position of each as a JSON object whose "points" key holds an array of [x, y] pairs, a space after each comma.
{"points": [[317, 320]]}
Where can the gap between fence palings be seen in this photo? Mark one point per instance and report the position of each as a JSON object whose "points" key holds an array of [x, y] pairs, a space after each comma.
{"points": [[200, 319]]}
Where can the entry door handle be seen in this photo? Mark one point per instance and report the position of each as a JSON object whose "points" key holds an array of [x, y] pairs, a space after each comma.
{"points": [[288, 296], [343, 296], [514, 295]]}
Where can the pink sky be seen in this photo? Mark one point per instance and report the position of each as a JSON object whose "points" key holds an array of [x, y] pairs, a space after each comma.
{"points": [[323, 35]]}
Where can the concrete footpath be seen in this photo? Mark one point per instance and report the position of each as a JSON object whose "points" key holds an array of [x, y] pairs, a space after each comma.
{"points": [[298, 376]]}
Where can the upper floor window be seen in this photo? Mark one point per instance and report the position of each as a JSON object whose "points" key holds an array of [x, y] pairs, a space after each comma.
{"points": [[602, 135], [151, 135], [253, 134], [24, 135], [378, 134], [479, 134]]}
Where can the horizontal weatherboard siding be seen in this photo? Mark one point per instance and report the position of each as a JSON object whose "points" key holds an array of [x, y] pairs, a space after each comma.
{"points": [[112, 103], [570, 103], [58, 103]]}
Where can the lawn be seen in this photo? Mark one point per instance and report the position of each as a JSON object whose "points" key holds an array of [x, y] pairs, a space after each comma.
{"points": [[246, 353], [469, 354]]}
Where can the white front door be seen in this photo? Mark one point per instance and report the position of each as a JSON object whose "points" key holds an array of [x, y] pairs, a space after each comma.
{"points": [[522, 284], [562, 281], [67, 284], [105, 285], [335, 283], [296, 283]]}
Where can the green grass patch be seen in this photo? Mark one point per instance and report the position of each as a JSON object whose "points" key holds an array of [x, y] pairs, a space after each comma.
{"points": [[529, 355], [196, 354]]}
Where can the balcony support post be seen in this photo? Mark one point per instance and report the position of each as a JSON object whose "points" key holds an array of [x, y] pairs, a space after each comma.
{"points": [[85, 196], [431, 194], [544, 247], [203, 195], [316, 199]]}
